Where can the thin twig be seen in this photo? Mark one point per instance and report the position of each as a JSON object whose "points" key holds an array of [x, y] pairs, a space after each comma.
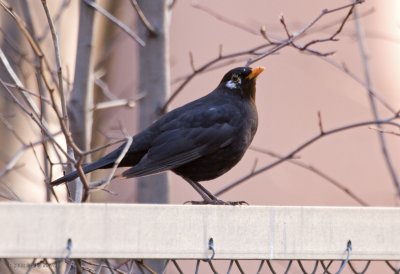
{"points": [[11, 129], [18, 154], [104, 87], [106, 181], [38, 161], [303, 31], [320, 125], [56, 46], [225, 19], [31, 93], [11, 164], [11, 195], [228, 62], [114, 103], [117, 22], [219, 58], [20, 85], [371, 91], [191, 58], [57, 17], [263, 31], [316, 171], [385, 131], [143, 18], [336, 33], [103, 147], [285, 27]]}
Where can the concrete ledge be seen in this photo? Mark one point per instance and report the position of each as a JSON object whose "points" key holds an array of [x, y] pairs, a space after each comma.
{"points": [[183, 231]]}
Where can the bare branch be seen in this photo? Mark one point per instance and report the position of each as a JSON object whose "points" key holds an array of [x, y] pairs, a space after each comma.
{"points": [[36, 120], [293, 37], [42, 61], [270, 47], [374, 108], [333, 36], [290, 155]]}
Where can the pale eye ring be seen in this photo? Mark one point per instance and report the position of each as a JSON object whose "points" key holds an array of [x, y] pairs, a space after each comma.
{"points": [[235, 78]]}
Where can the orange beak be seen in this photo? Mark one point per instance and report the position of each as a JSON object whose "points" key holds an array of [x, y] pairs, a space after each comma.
{"points": [[255, 72]]}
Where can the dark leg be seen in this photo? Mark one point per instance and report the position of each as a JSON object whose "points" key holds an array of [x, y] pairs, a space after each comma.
{"points": [[209, 194], [204, 193], [195, 185], [208, 197]]}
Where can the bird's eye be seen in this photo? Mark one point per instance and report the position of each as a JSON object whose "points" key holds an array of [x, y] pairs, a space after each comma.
{"points": [[235, 78]]}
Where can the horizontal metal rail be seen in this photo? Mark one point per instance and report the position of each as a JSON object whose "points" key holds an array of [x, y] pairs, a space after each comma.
{"points": [[30, 230]]}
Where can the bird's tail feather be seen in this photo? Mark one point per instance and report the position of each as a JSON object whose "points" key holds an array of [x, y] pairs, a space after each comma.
{"points": [[106, 161]]}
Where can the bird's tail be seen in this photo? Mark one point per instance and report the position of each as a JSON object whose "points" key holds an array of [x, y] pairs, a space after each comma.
{"points": [[106, 161]]}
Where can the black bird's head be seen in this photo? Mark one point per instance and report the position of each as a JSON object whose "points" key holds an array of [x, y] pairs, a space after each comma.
{"points": [[242, 81]]}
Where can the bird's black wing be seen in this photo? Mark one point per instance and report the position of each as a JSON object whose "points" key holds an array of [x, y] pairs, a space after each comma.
{"points": [[187, 138]]}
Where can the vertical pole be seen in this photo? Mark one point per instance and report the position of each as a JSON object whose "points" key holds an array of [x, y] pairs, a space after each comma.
{"points": [[154, 79]]}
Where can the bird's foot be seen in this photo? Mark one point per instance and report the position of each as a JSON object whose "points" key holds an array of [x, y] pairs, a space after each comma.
{"points": [[216, 202]]}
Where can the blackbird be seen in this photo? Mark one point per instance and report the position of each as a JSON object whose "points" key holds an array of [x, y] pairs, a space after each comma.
{"points": [[199, 141]]}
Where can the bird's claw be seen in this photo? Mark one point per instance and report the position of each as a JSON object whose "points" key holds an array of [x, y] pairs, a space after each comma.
{"points": [[238, 203]]}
